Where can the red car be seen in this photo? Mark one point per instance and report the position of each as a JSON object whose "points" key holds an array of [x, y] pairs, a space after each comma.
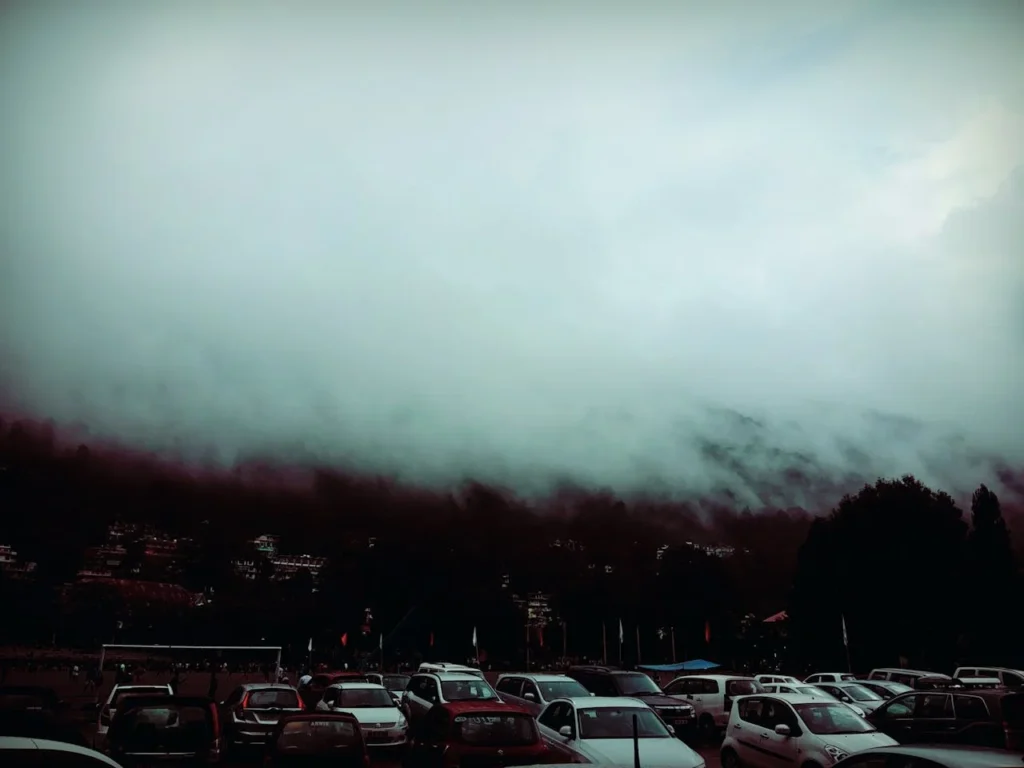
{"points": [[481, 734], [323, 738]]}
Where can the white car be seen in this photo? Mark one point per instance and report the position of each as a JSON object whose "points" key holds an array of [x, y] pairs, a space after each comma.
{"points": [[829, 677], [855, 694], [601, 729], [776, 680], [769, 730], [109, 708], [20, 752], [381, 721], [810, 690]]}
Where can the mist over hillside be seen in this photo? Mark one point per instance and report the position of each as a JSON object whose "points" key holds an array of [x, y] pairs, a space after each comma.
{"points": [[650, 250]]}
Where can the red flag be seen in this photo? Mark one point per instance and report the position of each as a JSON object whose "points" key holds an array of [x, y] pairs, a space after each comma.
{"points": [[540, 636], [707, 631], [431, 639], [344, 640]]}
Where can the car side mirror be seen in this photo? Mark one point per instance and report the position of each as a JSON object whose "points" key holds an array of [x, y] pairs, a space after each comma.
{"points": [[529, 696], [593, 694], [782, 730], [671, 730], [565, 731], [845, 699]]}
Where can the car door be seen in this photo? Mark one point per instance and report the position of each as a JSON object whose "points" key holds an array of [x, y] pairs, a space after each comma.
{"points": [[746, 731], [513, 686], [782, 750], [531, 692], [934, 721], [896, 717], [430, 736]]}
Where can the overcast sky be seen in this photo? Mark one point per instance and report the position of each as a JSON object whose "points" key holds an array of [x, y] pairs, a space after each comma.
{"points": [[520, 244]]}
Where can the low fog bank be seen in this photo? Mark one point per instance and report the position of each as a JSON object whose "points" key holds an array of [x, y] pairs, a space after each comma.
{"points": [[658, 252]]}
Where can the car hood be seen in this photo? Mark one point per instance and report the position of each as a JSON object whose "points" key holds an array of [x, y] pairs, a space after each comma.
{"points": [[857, 742], [654, 753], [370, 715]]}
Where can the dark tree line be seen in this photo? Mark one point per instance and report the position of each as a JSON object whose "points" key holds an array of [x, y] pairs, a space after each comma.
{"points": [[898, 560]]}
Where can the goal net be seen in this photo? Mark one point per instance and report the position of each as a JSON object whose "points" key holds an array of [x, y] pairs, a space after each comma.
{"points": [[192, 666]]}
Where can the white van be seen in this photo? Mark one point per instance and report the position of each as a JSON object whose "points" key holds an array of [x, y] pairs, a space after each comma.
{"points": [[711, 697], [905, 676], [1011, 678]]}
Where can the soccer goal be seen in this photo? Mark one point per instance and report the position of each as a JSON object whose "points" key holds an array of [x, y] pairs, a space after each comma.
{"points": [[163, 659]]}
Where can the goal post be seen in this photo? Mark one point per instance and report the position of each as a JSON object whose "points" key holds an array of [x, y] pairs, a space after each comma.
{"points": [[274, 650]]}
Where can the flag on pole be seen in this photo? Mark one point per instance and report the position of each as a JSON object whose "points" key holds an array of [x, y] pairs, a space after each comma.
{"points": [[310, 646], [431, 639], [846, 640], [344, 640], [707, 630], [474, 637], [622, 635], [381, 643]]}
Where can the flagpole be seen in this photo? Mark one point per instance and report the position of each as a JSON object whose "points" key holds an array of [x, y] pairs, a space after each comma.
{"points": [[673, 645], [604, 643], [846, 643], [382, 653], [527, 643], [620, 642], [638, 645], [565, 644]]}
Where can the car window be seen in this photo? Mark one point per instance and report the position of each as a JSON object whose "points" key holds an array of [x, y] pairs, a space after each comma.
{"points": [[509, 685], [678, 687], [935, 705], [750, 710], [273, 699], [970, 708], [775, 713], [877, 676], [617, 723], [900, 708], [601, 685], [1011, 680], [742, 687], [530, 687], [556, 716], [708, 686]]}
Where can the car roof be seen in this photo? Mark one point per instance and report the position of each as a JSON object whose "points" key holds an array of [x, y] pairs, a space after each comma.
{"points": [[538, 677], [455, 676], [795, 698], [715, 677], [959, 755], [483, 705], [354, 686], [18, 742], [149, 687], [267, 687], [601, 702]]}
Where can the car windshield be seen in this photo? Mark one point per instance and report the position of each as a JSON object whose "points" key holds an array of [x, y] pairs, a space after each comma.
{"points": [[617, 723], [279, 698], [496, 729], [860, 693], [897, 688], [562, 689], [165, 727], [832, 719], [743, 687], [466, 690], [362, 698], [157, 690], [813, 690], [312, 736], [396, 682], [637, 684]]}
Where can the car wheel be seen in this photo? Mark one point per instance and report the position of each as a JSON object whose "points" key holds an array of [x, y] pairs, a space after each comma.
{"points": [[730, 759], [706, 727]]}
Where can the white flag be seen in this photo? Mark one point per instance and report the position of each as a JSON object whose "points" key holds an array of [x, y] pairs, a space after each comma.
{"points": [[622, 635], [846, 640], [474, 637], [310, 646], [381, 643]]}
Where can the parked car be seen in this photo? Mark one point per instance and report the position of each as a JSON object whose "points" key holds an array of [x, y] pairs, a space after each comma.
{"points": [[37, 712], [1010, 678], [989, 718], [712, 696], [601, 730], [251, 712], [382, 722], [776, 679], [22, 752], [811, 690], [109, 707], [318, 683], [944, 756], [829, 677], [905, 676], [766, 731], [160, 729], [429, 688], [316, 739], [536, 691], [479, 734], [610, 682]]}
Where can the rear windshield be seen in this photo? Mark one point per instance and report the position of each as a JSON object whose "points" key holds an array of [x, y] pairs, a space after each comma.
{"points": [[743, 687], [1013, 710], [155, 690], [617, 723], [273, 699], [496, 729], [164, 727], [312, 736]]}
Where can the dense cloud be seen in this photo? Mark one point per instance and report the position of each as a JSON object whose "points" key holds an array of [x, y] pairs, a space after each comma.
{"points": [[759, 255]]}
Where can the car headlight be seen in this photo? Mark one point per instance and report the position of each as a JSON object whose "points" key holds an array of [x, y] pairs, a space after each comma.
{"points": [[835, 753], [402, 722]]}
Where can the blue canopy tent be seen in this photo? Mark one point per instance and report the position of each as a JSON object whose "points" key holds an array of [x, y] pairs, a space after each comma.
{"points": [[694, 665]]}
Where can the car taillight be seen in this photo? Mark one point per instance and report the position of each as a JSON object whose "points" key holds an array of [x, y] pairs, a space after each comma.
{"points": [[302, 704]]}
